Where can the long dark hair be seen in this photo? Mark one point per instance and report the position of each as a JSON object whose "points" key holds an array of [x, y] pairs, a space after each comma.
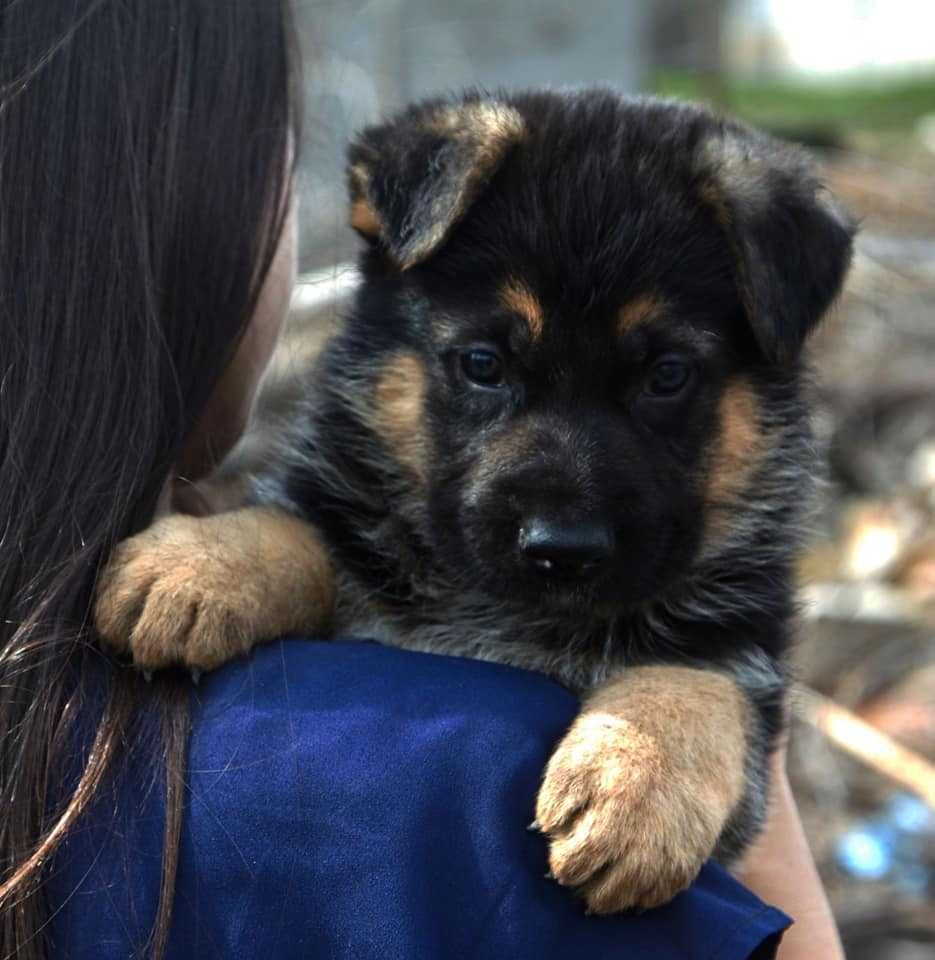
{"points": [[143, 166]]}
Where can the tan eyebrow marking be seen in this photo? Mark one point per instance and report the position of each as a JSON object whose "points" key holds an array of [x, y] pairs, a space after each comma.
{"points": [[399, 411], [363, 216], [519, 299], [738, 449], [642, 309], [364, 219]]}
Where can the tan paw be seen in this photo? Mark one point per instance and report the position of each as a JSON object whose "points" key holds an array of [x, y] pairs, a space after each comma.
{"points": [[197, 592], [624, 829]]}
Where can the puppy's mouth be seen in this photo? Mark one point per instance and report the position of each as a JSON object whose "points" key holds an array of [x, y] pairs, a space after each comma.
{"points": [[575, 590], [568, 561], [569, 596], [606, 592]]}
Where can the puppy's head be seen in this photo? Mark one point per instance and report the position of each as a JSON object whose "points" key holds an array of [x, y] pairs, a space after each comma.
{"points": [[582, 318]]}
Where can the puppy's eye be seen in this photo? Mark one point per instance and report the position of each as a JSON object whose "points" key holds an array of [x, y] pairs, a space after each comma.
{"points": [[482, 366], [668, 377]]}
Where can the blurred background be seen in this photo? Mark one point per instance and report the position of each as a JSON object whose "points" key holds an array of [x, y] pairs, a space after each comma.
{"points": [[855, 81]]}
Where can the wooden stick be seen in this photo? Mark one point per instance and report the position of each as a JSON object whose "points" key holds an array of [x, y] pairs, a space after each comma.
{"points": [[868, 744]]}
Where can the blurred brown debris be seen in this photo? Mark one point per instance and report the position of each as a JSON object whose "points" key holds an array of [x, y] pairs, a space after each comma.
{"points": [[868, 578]]}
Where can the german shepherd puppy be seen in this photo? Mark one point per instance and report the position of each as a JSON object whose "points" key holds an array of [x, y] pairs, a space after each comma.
{"points": [[563, 427]]}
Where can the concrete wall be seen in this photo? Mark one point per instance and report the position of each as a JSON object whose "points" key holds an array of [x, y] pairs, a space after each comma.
{"points": [[366, 57]]}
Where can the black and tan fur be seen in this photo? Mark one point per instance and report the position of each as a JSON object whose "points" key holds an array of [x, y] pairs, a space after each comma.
{"points": [[577, 515]]}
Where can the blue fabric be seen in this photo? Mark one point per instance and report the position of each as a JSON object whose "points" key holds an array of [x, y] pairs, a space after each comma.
{"points": [[352, 801]]}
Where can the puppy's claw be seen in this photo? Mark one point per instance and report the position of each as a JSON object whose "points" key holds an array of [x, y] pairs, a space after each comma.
{"points": [[148, 676], [535, 827], [165, 596], [196, 676]]}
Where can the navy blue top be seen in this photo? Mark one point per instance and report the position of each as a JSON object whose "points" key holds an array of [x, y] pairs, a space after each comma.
{"points": [[347, 800]]}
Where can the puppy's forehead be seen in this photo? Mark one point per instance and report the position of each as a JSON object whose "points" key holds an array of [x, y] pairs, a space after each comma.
{"points": [[518, 298], [632, 323], [589, 216]]}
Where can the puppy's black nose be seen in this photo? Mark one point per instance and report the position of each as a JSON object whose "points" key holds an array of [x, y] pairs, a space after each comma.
{"points": [[566, 548]]}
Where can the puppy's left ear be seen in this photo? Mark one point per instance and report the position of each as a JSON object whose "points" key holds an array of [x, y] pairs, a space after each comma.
{"points": [[791, 240], [413, 179]]}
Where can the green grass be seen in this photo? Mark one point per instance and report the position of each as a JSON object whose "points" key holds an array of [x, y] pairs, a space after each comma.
{"points": [[874, 105]]}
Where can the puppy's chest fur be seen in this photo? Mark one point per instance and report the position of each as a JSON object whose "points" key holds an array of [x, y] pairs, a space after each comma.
{"points": [[441, 619]]}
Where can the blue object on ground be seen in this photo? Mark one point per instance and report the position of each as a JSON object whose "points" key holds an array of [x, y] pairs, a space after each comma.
{"points": [[896, 846]]}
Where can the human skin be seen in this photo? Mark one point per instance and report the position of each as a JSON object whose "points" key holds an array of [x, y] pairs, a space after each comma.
{"points": [[779, 868], [227, 413]]}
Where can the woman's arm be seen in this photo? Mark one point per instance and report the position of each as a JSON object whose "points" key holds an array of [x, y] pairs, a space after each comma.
{"points": [[781, 871]]}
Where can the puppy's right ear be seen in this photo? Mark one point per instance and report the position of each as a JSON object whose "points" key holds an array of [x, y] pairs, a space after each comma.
{"points": [[413, 179]]}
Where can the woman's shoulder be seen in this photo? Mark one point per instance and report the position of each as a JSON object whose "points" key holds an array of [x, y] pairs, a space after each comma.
{"points": [[301, 681], [348, 800]]}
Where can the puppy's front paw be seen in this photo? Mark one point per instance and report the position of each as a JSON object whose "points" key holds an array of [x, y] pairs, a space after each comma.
{"points": [[197, 592], [625, 828]]}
